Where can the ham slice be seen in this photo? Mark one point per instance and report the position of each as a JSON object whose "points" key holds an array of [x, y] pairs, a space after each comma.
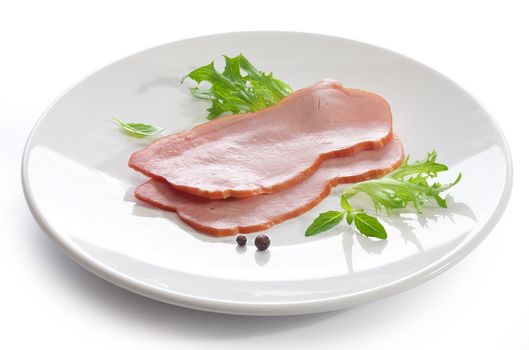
{"points": [[226, 217], [272, 149]]}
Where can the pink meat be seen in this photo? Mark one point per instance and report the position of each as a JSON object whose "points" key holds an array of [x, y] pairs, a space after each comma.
{"points": [[226, 217], [272, 149]]}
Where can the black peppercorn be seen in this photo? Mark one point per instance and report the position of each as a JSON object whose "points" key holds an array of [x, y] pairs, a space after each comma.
{"points": [[262, 242], [241, 240]]}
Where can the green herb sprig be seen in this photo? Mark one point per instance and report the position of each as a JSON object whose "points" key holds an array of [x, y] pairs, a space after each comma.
{"points": [[408, 184], [366, 224]]}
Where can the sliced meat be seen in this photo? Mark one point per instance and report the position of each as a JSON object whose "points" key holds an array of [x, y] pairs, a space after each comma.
{"points": [[230, 216], [272, 149]]}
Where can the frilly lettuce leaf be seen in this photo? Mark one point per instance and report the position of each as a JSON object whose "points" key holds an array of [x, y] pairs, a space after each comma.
{"points": [[234, 92]]}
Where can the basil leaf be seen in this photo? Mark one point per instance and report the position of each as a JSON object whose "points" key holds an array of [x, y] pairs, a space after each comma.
{"points": [[369, 226], [325, 221]]}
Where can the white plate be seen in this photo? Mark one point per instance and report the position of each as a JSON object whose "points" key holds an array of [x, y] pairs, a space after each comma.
{"points": [[79, 187]]}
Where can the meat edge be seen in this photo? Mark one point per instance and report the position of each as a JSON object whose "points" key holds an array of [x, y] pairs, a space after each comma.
{"points": [[359, 147], [374, 173]]}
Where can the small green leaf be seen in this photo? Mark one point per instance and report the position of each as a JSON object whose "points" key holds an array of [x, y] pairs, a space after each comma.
{"points": [[369, 226], [138, 129], [349, 217], [345, 204], [325, 221]]}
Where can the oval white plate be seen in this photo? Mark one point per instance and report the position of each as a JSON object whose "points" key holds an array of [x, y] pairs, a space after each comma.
{"points": [[79, 187]]}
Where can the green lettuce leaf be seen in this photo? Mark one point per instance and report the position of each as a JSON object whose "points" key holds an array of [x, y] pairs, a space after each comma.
{"points": [[233, 92]]}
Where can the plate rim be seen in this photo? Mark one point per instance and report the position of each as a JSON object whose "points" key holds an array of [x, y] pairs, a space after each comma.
{"points": [[276, 308]]}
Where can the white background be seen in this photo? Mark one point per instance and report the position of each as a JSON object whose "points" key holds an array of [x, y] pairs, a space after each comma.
{"points": [[47, 301]]}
